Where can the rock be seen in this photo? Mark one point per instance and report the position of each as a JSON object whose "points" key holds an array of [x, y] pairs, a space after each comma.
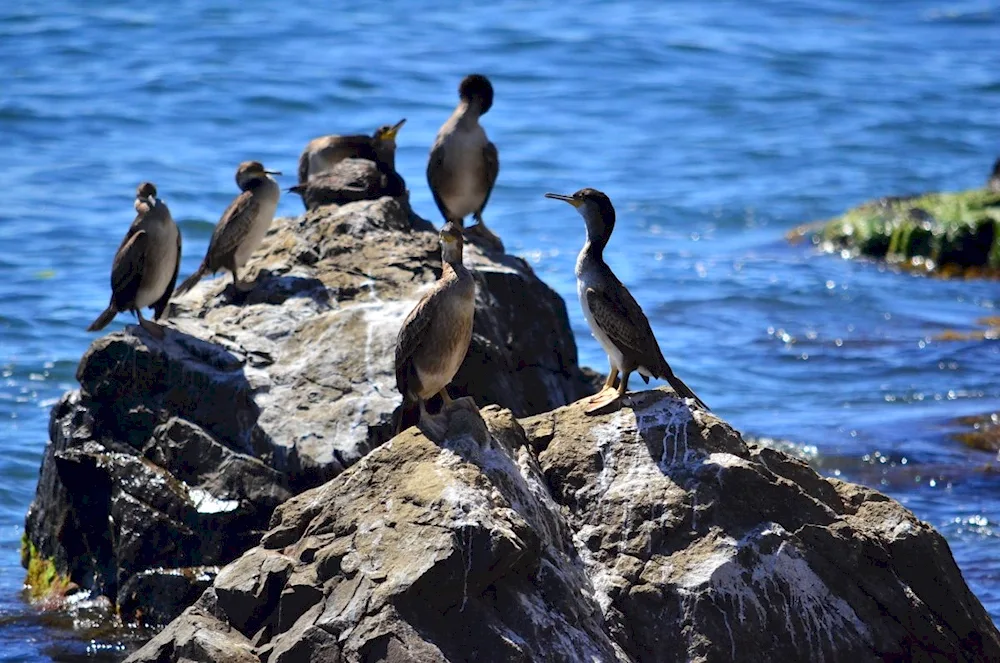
{"points": [[417, 552], [649, 534], [169, 460], [947, 233], [349, 181]]}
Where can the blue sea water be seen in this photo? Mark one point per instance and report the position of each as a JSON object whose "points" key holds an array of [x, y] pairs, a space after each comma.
{"points": [[715, 127]]}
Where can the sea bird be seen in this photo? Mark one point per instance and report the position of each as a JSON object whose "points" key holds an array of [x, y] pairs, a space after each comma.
{"points": [[435, 336], [348, 181], [463, 163], [615, 318], [324, 152], [145, 267], [242, 227]]}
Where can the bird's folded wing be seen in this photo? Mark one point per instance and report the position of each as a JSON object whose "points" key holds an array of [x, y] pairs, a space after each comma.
{"points": [[622, 320], [304, 166], [438, 175], [126, 270], [161, 304], [234, 225], [412, 333], [491, 168]]}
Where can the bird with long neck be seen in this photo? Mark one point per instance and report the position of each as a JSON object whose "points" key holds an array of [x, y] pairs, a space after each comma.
{"points": [[615, 318], [242, 227], [145, 266], [322, 153], [435, 336], [463, 164]]}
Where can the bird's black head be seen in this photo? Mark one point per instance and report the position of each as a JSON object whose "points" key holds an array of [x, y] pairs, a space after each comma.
{"points": [[250, 173], [996, 168], [145, 195], [384, 143], [476, 88], [596, 209], [145, 190], [387, 132]]}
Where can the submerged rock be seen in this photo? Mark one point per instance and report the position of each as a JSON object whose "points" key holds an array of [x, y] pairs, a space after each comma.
{"points": [[169, 460], [944, 233], [649, 534]]}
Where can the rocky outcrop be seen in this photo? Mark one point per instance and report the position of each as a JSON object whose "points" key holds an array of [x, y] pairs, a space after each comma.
{"points": [[650, 534], [172, 455], [949, 234]]}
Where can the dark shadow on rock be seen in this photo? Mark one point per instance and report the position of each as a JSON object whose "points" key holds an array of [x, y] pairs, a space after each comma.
{"points": [[276, 289]]}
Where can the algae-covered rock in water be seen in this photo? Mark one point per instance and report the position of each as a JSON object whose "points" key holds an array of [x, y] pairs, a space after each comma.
{"points": [[170, 458], [650, 534], [944, 233]]}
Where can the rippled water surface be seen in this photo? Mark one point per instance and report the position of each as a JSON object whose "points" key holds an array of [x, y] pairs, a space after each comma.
{"points": [[714, 127]]}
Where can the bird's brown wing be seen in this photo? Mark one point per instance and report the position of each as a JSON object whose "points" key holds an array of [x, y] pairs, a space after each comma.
{"points": [[622, 319], [408, 342], [491, 168], [160, 305], [437, 176], [231, 230], [126, 270], [304, 166]]}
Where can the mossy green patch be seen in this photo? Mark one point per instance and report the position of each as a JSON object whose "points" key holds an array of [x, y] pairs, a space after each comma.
{"points": [[950, 233], [43, 582]]}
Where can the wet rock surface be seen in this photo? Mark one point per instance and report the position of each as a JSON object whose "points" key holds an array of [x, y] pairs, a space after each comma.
{"points": [[653, 533], [169, 459]]}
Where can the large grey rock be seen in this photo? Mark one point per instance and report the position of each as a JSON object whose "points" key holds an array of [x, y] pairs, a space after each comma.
{"points": [[172, 455], [649, 534]]}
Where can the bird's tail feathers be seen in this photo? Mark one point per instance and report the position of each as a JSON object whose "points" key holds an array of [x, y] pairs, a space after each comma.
{"points": [[190, 281], [684, 391], [103, 319]]}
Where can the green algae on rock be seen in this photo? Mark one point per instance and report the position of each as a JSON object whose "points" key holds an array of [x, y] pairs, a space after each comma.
{"points": [[42, 582], [951, 234]]}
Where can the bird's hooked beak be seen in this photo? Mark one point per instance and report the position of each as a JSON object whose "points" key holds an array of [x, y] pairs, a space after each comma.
{"points": [[151, 200], [575, 202], [391, 133], [272, 172]]}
